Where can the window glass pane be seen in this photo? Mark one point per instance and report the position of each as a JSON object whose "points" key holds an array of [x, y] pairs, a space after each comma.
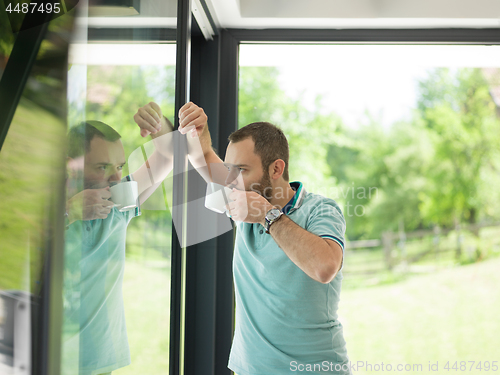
{"points": [[117, 281], [405, 139], [31, 179]]}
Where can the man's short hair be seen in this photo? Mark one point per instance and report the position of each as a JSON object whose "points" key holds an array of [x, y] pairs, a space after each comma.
{"points": [[80, 136], [270, 143]]}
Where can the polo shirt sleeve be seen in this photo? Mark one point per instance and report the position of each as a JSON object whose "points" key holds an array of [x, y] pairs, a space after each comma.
{"points": [[327, 221]]}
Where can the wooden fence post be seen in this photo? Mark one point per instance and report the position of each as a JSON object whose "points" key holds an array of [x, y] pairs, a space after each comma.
{"points": [[402, 246], [435, 241], [388, 244], [460, 239]]}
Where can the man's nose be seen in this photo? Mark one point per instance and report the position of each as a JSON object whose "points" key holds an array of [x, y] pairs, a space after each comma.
{"points": [[115, 177]]}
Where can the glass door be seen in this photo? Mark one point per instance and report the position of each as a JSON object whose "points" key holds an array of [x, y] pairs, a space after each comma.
{"points": [[33, 66], [117, 256]]}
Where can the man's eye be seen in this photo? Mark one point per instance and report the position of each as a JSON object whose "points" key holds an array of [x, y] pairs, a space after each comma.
{"points": [[102, 167], [120, 167], [241, 169]]}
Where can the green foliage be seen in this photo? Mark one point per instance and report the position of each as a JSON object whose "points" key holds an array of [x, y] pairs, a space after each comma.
{"points": [[385, 175], [431, 170], [438, 168], [460, 115], [308, 132]]}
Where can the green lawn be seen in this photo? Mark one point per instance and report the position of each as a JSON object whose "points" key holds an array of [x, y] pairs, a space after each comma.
{"points": [[146, 291], [451, 316], [447, 316]]}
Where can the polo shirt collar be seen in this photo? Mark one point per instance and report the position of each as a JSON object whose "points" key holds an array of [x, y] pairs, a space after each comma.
{"points": [[297, 198]]}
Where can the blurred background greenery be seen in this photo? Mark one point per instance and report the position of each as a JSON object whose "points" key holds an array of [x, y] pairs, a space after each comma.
{"points": [[439, 168]]}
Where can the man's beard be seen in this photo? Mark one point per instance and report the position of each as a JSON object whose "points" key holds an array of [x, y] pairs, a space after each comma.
{"points": [[263, 187]]}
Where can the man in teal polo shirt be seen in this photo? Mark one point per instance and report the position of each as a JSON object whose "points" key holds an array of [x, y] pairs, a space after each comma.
{"points": [[94, 331], [288, 257]]}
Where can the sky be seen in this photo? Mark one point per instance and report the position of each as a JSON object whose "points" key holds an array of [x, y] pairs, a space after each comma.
{"points": [[353, 78]]}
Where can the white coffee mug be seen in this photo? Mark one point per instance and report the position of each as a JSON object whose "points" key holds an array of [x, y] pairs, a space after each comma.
{"points": [[125, 195], [217, 197]]}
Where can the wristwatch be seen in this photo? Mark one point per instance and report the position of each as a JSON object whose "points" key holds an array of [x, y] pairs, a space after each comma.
{"points": [[272, 216]]}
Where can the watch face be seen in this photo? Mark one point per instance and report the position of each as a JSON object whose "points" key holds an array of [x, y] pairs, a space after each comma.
{"points": [[273, 214]]}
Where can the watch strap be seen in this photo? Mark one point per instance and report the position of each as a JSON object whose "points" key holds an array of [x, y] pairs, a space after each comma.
{"points": [[269, 222]]}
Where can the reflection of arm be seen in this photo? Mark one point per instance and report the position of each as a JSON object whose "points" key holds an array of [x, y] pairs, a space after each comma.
{"points": [[89, 204], [151, 174]]}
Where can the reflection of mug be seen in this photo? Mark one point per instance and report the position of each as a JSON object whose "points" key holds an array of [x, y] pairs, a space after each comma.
{"points": [[125, 195], [217, 197]]}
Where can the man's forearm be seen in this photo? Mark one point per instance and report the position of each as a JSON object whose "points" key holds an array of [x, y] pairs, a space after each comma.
{"points": [[201, 158], [320, 259]]}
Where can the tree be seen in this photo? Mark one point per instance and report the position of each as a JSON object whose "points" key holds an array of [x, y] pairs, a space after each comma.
{"points": [[308, 131], [460, 115], [381, 174], [441, 166]]}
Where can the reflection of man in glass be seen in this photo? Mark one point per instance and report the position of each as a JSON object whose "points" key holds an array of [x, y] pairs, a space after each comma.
{"points": [[94, 325]]}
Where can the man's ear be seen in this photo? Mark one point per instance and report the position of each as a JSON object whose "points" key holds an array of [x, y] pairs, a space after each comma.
{"points": [[276, 169]]}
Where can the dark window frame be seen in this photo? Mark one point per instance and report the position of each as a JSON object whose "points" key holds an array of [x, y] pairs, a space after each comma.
{"points": [[223, 115]]}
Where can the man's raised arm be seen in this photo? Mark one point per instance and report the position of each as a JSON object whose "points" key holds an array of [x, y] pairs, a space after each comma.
{"points": [[193, 123]]}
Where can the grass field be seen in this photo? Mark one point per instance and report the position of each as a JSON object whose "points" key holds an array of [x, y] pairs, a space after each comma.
{"points": [[450, 316], [447, 316], [146, 292]]}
